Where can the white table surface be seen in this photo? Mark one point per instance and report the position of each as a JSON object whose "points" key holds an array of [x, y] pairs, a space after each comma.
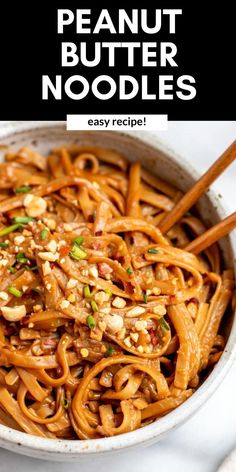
{"points": [[202, 443]]}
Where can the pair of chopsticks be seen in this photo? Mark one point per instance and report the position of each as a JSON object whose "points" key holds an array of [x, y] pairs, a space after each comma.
{"points": [[190, 198]]}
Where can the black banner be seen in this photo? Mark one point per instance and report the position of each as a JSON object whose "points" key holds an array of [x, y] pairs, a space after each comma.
{"points": [[185, 69]]}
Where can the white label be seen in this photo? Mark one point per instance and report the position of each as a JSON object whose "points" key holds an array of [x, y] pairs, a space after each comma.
{"points": [[117, 122]]}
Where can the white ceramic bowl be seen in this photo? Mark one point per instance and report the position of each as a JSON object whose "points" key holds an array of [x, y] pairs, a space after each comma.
{"points": [[163, 162]]}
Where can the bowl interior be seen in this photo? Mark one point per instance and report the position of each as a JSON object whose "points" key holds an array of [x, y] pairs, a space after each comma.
{"points": [[166, 164], [142, 146]]}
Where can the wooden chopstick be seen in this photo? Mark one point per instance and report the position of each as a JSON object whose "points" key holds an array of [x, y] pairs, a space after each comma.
{"points": [[199, 188], [212, 235]]}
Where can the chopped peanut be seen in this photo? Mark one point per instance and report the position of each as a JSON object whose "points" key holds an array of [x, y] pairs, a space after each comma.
{"points": [[146, 349], [71, 283], [134, 336], [3, 262], [52, 246], [25, 232], [156, 290], [114, 323], [140, 325], [106, 310], [19, 239], [118, 302], [24, 288], [93, 271], [64, 304], [127, 342], [140, 348], [37, 308], [159, 310], [101, 297], [4, 296], [121, 334], [67, 227], [13, 313], [48, 256], [51, 224], [102, 325], [62, 243], [136, 311], [46, 268], [35, 206]]}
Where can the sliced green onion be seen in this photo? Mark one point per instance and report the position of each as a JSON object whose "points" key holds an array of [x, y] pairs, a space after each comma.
{"points": [[12, 269], [145, 298], [77, 253], [44, 234], [109, 351], [90, 320], [94, 305], [79, 240], [23, 189], [4, 245], [23, 219], [108, 292], [129, 271], [152, 251], [14, 291], [36, 290], [164, 325], [21, 258], [87, 292], [188, 213], [10, 229]]}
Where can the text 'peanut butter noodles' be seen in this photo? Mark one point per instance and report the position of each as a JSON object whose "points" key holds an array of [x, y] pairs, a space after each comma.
{"points": [[106, 323]]}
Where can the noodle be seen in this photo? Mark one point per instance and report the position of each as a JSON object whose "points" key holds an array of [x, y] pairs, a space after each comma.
{"points": [[107, 323]]}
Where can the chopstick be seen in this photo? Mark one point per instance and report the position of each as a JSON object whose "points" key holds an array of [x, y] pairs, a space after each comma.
{"points": [[199, 188], [212, 235]]}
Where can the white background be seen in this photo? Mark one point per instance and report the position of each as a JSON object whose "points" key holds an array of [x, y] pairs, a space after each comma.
{"points": [[203, 442]]}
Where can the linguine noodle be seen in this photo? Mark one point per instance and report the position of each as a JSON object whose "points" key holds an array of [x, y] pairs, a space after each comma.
{"points": [[107, 323]]}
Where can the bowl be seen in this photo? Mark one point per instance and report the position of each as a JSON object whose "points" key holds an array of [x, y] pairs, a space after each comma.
{"points": [[160, 160]]}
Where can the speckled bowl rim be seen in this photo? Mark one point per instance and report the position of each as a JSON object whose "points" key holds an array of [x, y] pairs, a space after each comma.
{"points": [[33, 445]]}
